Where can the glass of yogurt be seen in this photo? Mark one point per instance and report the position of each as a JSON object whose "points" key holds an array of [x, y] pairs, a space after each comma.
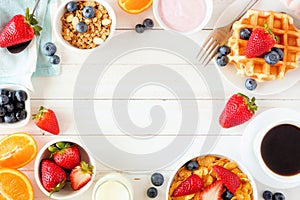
{"points": [[113, 186], [183, 16]]}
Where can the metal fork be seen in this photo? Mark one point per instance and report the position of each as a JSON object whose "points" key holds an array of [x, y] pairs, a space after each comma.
{"points": [[218, 38]]}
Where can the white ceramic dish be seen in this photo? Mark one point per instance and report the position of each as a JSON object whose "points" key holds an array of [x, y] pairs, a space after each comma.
{"points": [[67, 192], [57, 25], [20, 123], [240, 166], [229, 71], [208, 14], [261, 122]]}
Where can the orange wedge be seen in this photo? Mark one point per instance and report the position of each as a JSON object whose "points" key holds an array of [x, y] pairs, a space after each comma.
{"points": [[15, 185], [134, 6], [17, 150]]}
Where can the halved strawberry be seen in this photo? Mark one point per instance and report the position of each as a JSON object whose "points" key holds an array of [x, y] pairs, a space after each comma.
{"points": [[81, 175], [191, 185], [212, 192], [230, 179]]}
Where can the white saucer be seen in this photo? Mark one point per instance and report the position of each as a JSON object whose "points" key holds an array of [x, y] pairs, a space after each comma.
{"points": [[248, 155], [229, 72]]}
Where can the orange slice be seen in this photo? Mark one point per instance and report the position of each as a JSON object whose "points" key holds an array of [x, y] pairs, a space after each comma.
{"points": [[17, 150], [15, 185], [134, 6]]}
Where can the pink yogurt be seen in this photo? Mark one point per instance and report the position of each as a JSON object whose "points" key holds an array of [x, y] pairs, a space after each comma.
{"points": [[182, 15]]}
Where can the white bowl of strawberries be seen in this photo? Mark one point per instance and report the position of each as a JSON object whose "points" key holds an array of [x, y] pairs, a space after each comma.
{"points": [[64, 169]]}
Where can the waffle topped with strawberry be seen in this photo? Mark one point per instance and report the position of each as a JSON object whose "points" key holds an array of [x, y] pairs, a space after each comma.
{"points": [[210, 178], [265, 45]]}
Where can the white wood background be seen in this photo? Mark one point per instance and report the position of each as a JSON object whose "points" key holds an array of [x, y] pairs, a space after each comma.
{"points": [[57, 93]]}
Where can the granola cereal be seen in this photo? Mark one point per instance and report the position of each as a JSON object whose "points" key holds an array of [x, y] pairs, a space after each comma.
{"points": [[98, 26], [206, 173]]}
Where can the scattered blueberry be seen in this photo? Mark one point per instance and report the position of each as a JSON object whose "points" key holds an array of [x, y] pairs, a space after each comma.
{"points": [[10, 118], [2, 111], [279, 51], [152, 192], [267, 195], [49, 49], [222, 60], [157, 179], [224, 50], [227, 195], [250, 84], [81, 27], [278, 196], [88, 12], [148, 23], [72, 6], [192, 165], [21, 95], [22, 114], [139, 28], [245, 33], [272, 57], [4, 99], [54, 59]]}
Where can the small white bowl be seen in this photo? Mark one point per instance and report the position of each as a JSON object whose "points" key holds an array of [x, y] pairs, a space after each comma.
{"points": [[67, 192], [57, 25], [240, 166], [20, 123], [201, 25]]}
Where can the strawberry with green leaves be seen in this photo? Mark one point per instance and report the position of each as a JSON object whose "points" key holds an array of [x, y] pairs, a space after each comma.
{"points": [[238, 110], [46, 120], [81, 175], [191, 185], [260, 41], [19, 29]]}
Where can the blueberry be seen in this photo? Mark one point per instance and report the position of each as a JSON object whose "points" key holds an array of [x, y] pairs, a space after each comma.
{"points": [[4, 99], [21, 115], [2, 119], [192, 165], [227, 195], [11, 95], [279, 51], [224, 50], [54, 59], [222, 60], [4, 92], [278, 196], [272, 57], [2, 111], [88, 12], [19, 105], [267, 195], [10, 118], [139, 28], [49, 49], [250, 84], [148, 23], [152, 192], [21, 95], [157, 179], [72, 6], [9, 107], [81, 27], [245, 33]]}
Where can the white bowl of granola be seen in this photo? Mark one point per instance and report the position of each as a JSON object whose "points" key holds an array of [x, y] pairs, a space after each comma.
{"points": [[84, 24]]}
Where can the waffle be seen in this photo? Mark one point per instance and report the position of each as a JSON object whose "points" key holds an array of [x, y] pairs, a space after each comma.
{"points": [[288, 40]]}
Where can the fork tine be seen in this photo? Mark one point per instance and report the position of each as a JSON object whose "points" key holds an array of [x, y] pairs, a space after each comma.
{"points": [[211, 54], [205, 48]]}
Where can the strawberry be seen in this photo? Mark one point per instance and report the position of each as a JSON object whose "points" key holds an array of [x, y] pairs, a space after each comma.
{"points": [[65, 155], [238, 110], [53, 176], [19, 29], [46, 120], [260, 41], [81, 175], [191, 185], [230, 179], [212, 192]]}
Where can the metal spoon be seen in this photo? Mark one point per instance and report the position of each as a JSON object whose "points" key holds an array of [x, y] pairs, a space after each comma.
{"points": [[20, 47]]}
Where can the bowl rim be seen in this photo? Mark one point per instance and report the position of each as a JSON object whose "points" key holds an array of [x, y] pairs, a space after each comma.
{"points": [[38, 159], [56, 24], [240, 165], [209, 12]]}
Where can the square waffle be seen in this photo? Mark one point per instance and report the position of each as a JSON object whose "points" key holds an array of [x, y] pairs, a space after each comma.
{"points": [[288, 40]]}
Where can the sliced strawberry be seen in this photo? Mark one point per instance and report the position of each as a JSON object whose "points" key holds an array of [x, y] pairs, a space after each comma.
{"points": [[65, 155], [191, 185], [81, 175], [212, 192], [46, 120], [230, 179]]}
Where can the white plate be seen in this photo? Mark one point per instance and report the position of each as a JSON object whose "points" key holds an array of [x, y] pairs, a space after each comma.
{"points": [[260, 122], [229, 71]]}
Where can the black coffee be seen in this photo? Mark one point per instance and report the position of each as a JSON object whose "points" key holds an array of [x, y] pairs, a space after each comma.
{"points": [[280, 149]]}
